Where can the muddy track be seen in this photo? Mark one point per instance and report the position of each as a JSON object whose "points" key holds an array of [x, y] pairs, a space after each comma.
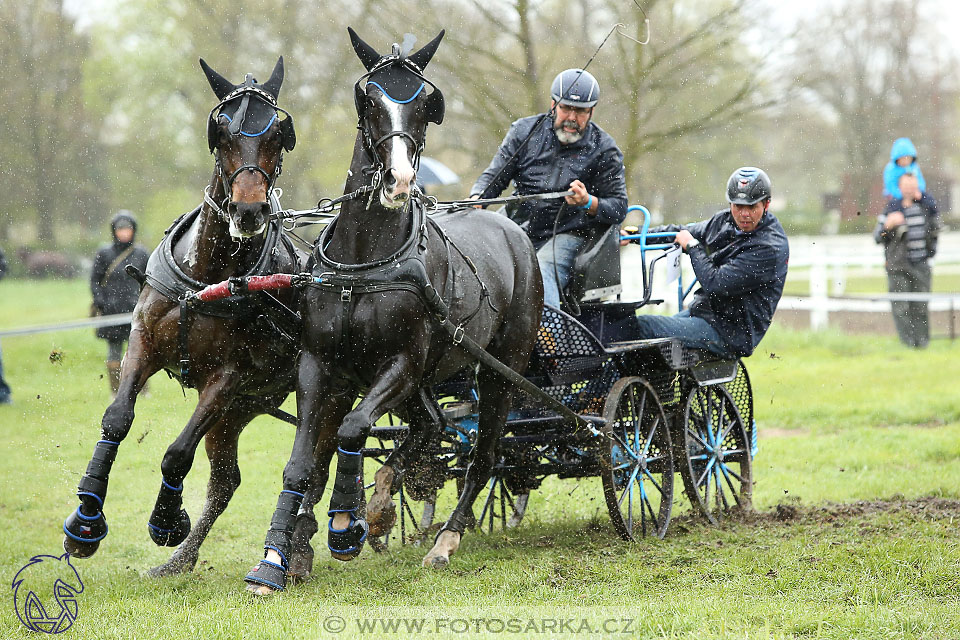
{"points": [[788, 513]]}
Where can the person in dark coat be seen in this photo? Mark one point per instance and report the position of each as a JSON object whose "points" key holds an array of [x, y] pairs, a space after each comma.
{"points": [[5, 395], [909, 229], [113, 290], [740, 259], [558, 151]]}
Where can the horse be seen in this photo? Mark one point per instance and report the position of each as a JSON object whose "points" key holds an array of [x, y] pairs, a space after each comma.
{"points": [[238, 353], [396, 296]]}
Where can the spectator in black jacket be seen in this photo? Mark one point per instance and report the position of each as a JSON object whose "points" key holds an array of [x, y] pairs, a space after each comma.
{"points": [[908, 229], [4, 387], [113, 290], [740, 259], [561, 150]]}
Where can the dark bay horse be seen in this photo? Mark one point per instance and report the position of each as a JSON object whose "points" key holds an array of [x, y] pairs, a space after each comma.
{"points": [[239, 353], [371, 324]]}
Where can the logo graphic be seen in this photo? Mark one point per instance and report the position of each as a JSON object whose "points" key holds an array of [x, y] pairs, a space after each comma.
{"points": [[45, 594]]}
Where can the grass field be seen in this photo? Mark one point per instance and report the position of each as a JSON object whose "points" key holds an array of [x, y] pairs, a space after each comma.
{"points": [[855, 535]]}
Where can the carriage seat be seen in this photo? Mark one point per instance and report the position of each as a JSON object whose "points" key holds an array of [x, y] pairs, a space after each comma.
{"points": [[596, 270]]}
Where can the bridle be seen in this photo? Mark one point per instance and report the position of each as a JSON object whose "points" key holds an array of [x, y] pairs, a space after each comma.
{"points": [[246, 91], [434, 113]]}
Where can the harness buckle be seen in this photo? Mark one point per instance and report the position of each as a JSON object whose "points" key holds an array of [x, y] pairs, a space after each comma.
{"points": [[458, 334], [346, 294]]}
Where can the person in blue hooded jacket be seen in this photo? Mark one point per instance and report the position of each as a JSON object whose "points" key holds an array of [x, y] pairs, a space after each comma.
{"points": [[903, 159], [740, 259]]}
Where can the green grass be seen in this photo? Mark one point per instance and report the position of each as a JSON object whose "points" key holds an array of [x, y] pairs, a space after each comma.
{"points": [[842, 419]]}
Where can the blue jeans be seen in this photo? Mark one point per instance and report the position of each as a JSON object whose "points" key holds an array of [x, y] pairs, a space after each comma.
{"points": [[567, 246], [692, 332]]}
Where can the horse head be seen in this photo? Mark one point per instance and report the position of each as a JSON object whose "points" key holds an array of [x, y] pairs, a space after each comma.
{"points": [[394, 105], [247, 135]]}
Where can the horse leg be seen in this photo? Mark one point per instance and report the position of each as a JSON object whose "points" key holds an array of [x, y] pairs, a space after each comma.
{"points": [[313, 382], [424, 422], [221, 445], [301, 559], [169, 523], [395, 382], [493, 408], [86, 527]]}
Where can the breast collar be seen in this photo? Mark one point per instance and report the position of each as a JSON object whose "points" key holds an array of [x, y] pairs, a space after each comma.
{"points": [[404, 270], [166, 276]]}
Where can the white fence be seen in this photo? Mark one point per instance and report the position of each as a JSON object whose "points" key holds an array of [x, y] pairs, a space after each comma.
{"points": [[828, 261]]}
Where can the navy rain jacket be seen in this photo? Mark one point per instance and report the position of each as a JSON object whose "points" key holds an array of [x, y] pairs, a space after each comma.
{"points": [[741, 277], [545, 165]]}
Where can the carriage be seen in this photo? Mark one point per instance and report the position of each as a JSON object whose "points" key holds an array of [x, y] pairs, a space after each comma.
{"points": [[651, 409], [596, 402]]}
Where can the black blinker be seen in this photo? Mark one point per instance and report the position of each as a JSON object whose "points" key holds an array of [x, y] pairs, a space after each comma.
{"points": [[287, 133]]}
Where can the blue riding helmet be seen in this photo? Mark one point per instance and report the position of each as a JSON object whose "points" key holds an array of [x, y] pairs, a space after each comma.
{"points": [[575, 87]]}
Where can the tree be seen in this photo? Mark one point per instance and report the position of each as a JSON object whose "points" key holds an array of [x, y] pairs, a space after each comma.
{"points": [[52, 165], [881, 74], [668, 94]]}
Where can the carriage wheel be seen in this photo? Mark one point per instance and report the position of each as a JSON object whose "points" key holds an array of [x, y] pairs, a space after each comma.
{"points": [[501, 504], [636, 460], [717, 470]]}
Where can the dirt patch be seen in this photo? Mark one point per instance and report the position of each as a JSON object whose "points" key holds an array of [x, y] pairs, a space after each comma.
{"points": [[793, 513], [927, 508]]}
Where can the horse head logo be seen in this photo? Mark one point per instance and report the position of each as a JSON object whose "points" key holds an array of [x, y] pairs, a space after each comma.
{"points": [[45, 594]]}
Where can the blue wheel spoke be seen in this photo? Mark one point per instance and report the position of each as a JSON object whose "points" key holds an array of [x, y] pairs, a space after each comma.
{"points": [[706, 471], [654, 481], [626, 448], [649, 441], [726, 477], [728, 470], [629, 485], [696, 436], [721, 496]]}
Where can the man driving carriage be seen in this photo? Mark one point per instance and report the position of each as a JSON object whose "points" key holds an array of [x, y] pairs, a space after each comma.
{"points": [[740, 259], [555, 151]]}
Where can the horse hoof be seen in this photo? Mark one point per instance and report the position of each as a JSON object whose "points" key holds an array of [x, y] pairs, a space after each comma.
{"points": [[301, 566], [266, 578], [78, 549], [164, 537], [260, 590], [381, 514], [346, 544], [82, 534], [377, 545], [436, 562]]}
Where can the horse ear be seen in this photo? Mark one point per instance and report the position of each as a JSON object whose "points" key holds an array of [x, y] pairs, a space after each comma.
{"points": [[272, 86], [424, 55], [367, 54], [220, 85]]}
